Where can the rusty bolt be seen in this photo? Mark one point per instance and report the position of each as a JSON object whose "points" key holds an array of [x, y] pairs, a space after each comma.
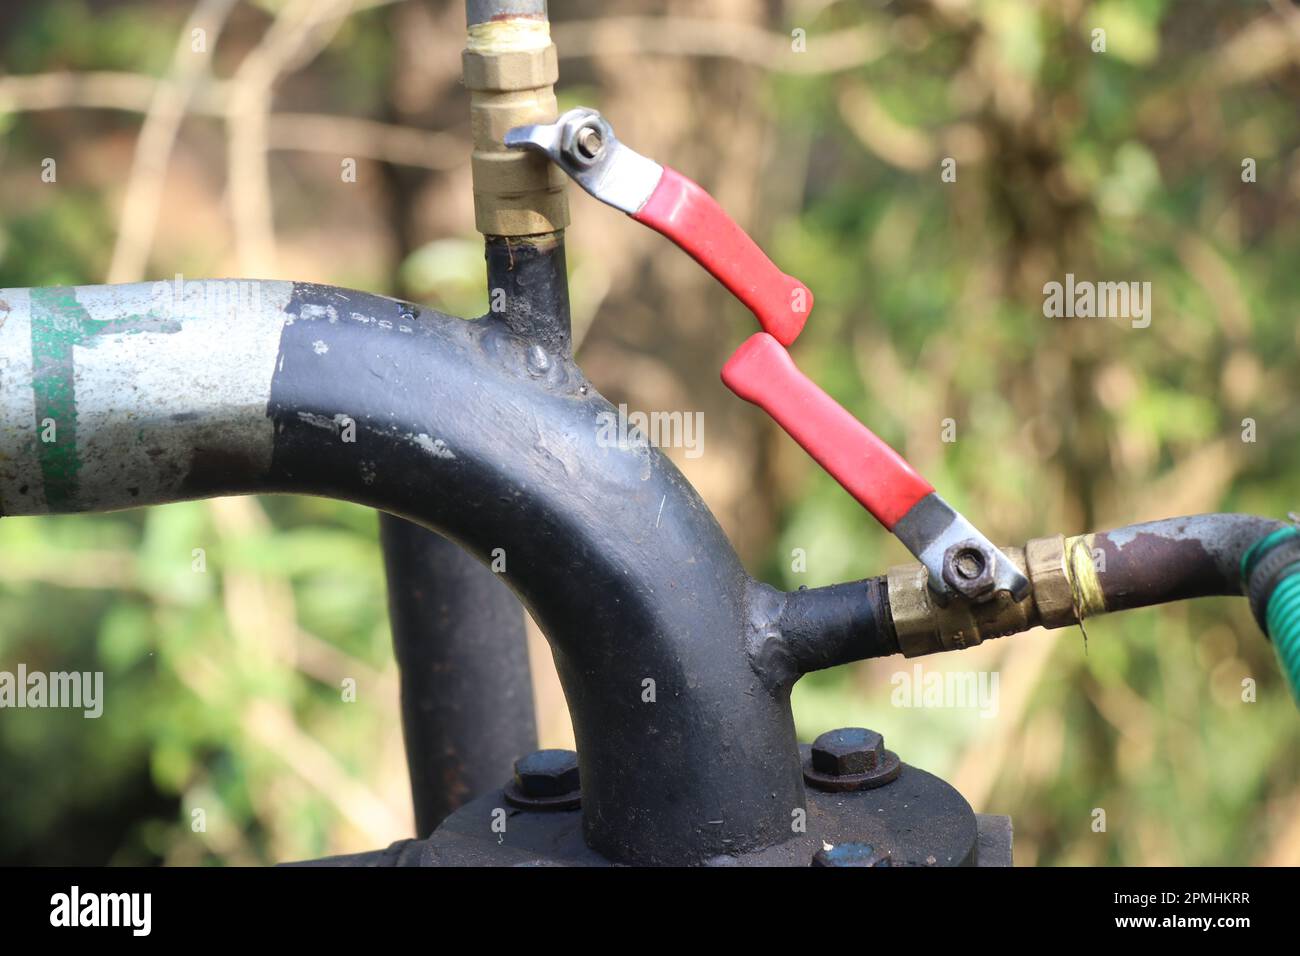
{"points": [[846, 751], [547, 773], [968, 569]]}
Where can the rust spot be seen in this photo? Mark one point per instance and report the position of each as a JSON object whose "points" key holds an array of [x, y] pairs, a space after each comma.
{"points": [[1155, 569]]}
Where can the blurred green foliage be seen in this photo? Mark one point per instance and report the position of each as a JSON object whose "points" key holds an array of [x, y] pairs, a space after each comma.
{"points": [[930, 307]]}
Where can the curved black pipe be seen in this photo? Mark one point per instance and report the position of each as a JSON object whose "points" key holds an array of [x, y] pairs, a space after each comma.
{"points": [[467, 428]]}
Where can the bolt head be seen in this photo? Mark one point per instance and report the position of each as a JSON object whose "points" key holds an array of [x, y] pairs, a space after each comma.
{"points": [[968, 568], [849, 750], [547, 773], [583, 139], [851, 854]]}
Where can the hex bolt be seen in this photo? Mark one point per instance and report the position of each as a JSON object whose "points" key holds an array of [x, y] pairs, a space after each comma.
{"points": [[851, 758], [968, 568], [851, 854], [849, 750], [583, 140], [547, 773]]}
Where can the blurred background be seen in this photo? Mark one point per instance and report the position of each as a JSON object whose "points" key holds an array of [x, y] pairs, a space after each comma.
{"points": [[223, 688]]}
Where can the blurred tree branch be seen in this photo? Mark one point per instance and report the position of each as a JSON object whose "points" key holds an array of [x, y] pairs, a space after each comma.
{"points": [[734, 40], [153, 147], [290, 131], [300, 30], [353, 136]]}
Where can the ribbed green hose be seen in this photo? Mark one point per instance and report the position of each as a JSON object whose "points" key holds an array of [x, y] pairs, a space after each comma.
{"points": [[1282, 616], [1284, 628]]}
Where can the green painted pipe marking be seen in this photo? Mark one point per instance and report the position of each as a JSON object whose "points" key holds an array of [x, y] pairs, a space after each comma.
{"points": [[59, 324]]}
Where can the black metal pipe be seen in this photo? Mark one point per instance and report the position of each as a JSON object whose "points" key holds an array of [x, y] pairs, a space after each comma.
{"points": [[459, 639], [686, 751], [1174, 559], [528, 290], [817, 628], [458, 631]]}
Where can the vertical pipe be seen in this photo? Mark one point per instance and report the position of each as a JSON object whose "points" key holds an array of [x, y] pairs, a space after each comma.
{"points": [[458, 634], [467, 700], [485, 11]]}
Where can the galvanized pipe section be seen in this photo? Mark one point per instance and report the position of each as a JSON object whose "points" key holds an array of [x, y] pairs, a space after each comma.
{"points": [[118, 396], [485, 11]]}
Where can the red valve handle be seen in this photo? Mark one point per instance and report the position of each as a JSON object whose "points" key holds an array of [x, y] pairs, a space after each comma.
{"points": [[690, 217], [762, 372]]}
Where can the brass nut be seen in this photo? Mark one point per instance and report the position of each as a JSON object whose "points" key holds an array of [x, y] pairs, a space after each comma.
{"points": [[532, 215], [1051, 582], [912, 610], [510, 72]]}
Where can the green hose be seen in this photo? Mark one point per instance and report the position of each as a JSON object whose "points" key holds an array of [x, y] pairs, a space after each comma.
{"points": [[1270, 573], [1284, 626]]}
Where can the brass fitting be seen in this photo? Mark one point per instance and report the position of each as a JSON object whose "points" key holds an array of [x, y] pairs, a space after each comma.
{"points": [[1063, 587], [1051, 583], [510, 69]]}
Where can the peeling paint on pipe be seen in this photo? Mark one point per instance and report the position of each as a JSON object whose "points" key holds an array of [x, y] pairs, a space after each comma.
{"points": [[1174, 559]]}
